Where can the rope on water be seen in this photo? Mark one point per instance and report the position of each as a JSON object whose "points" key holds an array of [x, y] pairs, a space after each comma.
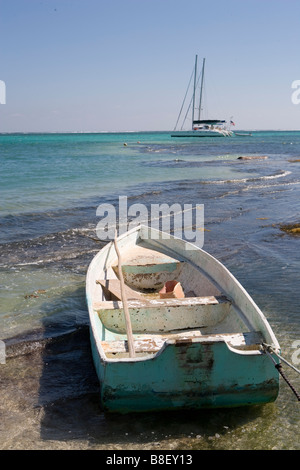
{"points": [[268, 350]]}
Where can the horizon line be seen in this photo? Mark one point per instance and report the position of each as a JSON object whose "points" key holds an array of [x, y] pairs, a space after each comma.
{"points": [[135, 131]]}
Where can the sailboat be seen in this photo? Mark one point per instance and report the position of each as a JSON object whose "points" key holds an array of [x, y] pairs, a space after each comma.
{"points": [[201, 127]]}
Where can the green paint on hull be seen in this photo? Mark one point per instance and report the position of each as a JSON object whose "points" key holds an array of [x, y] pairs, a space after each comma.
{"points": [[187, 376]]}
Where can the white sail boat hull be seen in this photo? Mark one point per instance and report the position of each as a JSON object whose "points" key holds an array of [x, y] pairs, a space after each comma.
{"points": [[202, 133]]}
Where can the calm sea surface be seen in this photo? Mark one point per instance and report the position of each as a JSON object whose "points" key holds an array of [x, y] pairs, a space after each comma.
{"points": [[51, 186]]}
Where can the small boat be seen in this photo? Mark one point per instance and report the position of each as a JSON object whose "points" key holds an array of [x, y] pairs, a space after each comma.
{"points": [[200, 127], [171, 328], [243, 134]]}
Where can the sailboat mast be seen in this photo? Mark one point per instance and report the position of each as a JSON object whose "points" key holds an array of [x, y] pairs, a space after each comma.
{"points": [[201, 89], [195, 79]]}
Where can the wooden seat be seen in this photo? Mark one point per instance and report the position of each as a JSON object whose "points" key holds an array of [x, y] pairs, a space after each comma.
{"points": [[113, 287], [141, 301], [162, 315]]}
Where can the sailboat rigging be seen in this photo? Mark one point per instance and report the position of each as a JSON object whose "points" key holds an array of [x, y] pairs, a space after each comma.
{"points": [[200, 127]]}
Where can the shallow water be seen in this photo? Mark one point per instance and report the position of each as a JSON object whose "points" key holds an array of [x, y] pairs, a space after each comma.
{"points": [[51, 187]]}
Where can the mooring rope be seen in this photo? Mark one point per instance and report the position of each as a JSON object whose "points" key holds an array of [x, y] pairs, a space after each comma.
{"points": [[268, 350]]}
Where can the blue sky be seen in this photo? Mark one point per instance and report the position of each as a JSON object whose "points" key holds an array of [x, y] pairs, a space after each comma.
{"points": [[95, 65]]}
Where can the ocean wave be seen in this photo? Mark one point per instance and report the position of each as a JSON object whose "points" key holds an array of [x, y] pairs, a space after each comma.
{"points": [[272, 188], [51, 259], [279, 174], [50, 248], [182, 163]]}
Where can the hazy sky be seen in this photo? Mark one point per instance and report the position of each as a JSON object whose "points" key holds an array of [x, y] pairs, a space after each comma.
{"points": [[111, 65]]}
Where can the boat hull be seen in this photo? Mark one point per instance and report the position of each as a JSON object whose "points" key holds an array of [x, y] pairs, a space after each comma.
{"points": [[199, 134], [192, 375], [202, 367]]}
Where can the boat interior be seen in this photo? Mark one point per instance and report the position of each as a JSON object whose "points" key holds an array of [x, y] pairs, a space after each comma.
{"points": [[170, 300]]}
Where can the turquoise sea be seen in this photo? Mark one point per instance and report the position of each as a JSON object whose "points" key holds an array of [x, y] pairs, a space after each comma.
{"points": [[51, 186]]}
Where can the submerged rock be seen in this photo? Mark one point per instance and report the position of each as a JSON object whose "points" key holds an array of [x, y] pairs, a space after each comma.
{"points": [[292, 229], [255, 157]]}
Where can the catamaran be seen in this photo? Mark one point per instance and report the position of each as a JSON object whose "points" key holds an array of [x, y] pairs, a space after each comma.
{"points": [[201, 127]]}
